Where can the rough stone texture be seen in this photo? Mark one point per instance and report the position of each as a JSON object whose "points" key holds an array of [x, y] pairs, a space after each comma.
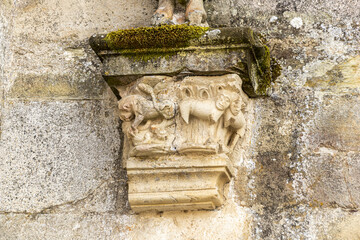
{"points": [[45, 169], [305, 145], [232, 223], [60, 176]]}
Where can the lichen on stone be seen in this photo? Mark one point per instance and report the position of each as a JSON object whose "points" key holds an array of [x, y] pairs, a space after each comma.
{"points": [[154, 37], [275, 68]]}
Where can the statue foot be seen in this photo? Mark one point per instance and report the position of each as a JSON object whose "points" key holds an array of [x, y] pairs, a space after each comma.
{"points": [[159, 19], [197, 18]]}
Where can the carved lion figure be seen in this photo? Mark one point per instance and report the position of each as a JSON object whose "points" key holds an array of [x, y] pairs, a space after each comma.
{"points": [[137, 109]]}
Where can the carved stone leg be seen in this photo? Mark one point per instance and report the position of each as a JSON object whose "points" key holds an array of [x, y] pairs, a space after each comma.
{"points": [[164, 13], [195, 13]]}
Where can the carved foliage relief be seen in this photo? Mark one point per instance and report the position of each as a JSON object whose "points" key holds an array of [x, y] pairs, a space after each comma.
{"points": [[198, 114]]}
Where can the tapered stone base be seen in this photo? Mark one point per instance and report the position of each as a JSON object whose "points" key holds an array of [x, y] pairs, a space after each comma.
{"points": [[178, 182]]}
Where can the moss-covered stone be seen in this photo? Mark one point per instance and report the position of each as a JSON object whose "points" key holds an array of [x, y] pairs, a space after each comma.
{"points": [[154, 37], [268, 69], [182, 2], [148, 46]]}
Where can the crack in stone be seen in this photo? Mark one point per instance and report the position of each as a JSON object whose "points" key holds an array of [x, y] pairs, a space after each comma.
{"points": [[52, 209], [173, 146]]}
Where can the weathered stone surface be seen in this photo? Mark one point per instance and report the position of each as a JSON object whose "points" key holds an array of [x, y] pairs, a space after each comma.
{"points": [[187, 50], [338, 78], [347, 228], [56, 87], [40, 169], [306, 125], [232, 222], [178, 138], [202, 62], [337, 123], [4, 29]]}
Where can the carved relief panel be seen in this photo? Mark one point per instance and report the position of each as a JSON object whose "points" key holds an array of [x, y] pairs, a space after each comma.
{"points": [[198, 114], [178, 134]]}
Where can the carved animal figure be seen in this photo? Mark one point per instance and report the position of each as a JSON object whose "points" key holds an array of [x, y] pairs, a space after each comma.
{"points": [[137, 108], [209, 110], [234, 118], [195, 13], [204, 110]]}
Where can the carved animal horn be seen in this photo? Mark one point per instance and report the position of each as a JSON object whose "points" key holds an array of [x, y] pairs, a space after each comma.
{"points": [[149, 90], [146, 89], [185, 110]]}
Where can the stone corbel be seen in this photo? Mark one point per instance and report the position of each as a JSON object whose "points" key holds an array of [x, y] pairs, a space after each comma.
{"points": [[182, 102]]}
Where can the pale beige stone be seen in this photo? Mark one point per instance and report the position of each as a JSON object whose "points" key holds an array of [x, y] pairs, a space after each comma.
{"points": [[178, 182], [177, 136]]}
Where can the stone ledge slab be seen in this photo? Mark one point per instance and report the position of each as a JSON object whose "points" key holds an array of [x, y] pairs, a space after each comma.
{"points": [[217, 52]]}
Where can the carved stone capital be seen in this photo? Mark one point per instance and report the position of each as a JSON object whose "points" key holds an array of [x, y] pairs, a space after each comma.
{"points": [[177, 136]]}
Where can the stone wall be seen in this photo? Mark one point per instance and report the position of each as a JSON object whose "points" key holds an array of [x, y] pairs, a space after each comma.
{"points": [[297, 168]]}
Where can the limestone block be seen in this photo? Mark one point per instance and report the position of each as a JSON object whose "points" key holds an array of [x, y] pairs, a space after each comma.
{"points": [[201, 61], [331, 160], [336, 124], [52, 86], [307, 222], [232, 222], [340, 78], [55, 153]]}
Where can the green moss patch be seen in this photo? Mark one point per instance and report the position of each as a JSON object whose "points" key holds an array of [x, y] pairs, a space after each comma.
{"points": [[147, 44], [154, 37], [267, 67]]}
